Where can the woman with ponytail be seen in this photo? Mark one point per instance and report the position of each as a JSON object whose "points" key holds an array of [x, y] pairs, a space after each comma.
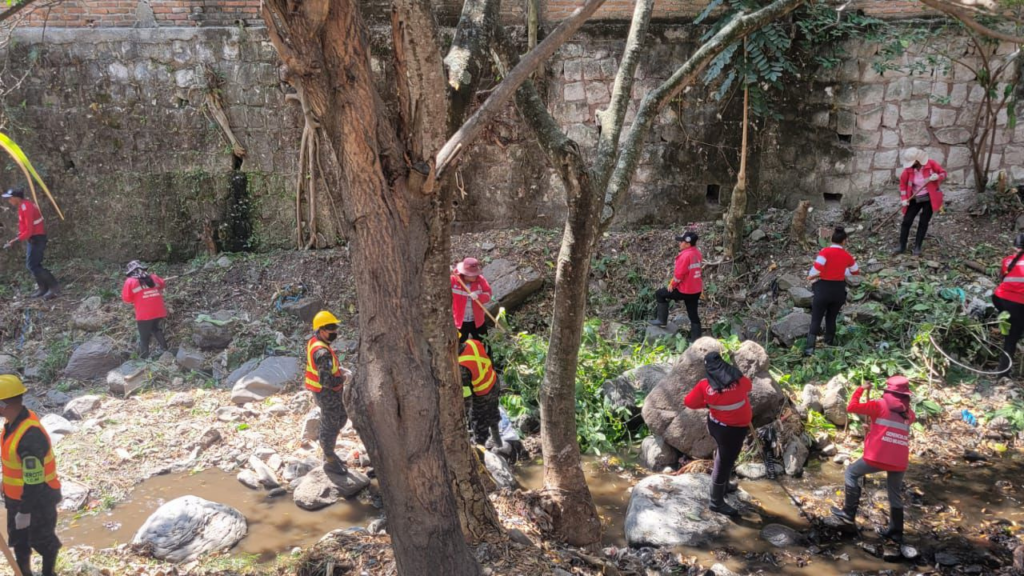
{"points": [[145, 291], [828, 275], [1009, 297]]}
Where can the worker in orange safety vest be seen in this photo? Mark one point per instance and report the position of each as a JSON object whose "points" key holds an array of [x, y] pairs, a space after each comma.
{"points": [[326, 379], [480, 390]]}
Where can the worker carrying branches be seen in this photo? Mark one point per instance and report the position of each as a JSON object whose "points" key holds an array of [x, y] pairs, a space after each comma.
{"points": [[32, 232], [326, 379], [886, 448], [31, 487]]}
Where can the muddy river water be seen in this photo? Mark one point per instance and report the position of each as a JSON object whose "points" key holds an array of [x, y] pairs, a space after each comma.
{"points": [[276, 525]]}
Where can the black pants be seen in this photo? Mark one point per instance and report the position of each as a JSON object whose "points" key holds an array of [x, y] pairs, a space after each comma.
{"points": [[1016, 312], [482, 412], [332, 419], [34, 249], [690, 300], [149, 329], [829, 297], [730, 442], [925, 209], [41, 536], [470, 330]]}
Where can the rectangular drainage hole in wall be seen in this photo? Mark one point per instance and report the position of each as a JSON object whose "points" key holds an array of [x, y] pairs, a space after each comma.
{"points": [[712, 193], [831, 198], [846, 138]]}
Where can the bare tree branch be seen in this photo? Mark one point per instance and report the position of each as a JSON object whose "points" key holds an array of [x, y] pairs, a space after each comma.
{"points": [[468, 54], [622, 92], [629, 157], [963, 14], [469, 131], [13, 10]]}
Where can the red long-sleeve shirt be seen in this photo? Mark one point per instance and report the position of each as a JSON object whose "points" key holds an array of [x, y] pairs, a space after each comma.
{"points": [[30, 221], [1012, 286], [460, 298], [834, 264], [148, 302], [686, 277], [876, 409], [730, 406]]}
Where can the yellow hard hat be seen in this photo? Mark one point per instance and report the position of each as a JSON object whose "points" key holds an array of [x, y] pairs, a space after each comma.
{"points": [[10, 386], [323, 318]]}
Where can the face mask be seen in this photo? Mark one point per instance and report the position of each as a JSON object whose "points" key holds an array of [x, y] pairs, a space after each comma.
{"points": [[332, 336]]}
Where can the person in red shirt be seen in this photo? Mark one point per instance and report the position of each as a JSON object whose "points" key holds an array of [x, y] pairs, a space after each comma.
{"points": [[32, 232], [470, 319], [686, 285], [828, 275], [1009, 297], [919, 194], [886, 448], [145, 291], [725, 393]]}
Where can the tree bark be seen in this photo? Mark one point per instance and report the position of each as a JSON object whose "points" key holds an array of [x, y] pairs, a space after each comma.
{"points": [[736, 216]]}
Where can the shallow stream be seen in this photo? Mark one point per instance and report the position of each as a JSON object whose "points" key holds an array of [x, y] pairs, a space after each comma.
{"points": [[276, 525]]}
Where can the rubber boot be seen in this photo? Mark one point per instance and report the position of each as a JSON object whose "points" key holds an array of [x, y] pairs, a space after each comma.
{"points": [[661, 315], [24, 560], [695, 332], [848, 513], [718, 503], [917, 249], [50, 564], [334, 465], [496, 436], [732, 487], [809, 346], [895, 530], [900, 249], [42, 287], [52, 286]]}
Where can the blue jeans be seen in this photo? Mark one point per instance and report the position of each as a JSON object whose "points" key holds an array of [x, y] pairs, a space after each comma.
{"points": [[34, 249]]}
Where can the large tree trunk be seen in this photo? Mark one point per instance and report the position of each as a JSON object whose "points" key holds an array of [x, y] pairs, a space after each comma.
{"points": [[394, 399], [736, 216]]}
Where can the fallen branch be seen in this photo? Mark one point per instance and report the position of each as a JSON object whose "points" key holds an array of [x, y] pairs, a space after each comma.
{"points": [[217, 111]]}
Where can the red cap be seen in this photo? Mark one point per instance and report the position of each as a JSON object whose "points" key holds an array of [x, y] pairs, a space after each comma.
{"points": [[469, 267], [898, 385]]}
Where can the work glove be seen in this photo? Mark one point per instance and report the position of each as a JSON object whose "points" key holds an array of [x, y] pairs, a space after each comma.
{"points": [[22, 521], [905, 202], [475, 295], [8, 245], [933, 177]]}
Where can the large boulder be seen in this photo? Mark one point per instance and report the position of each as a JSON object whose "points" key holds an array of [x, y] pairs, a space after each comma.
{"points": [[510, 284], [320, 489], [787, 281], [188, 527], [304, 309], [57, 427], [686, 430], [792, 327], [189, 359], [672, 511], [795, 456], [78, 407], [269, 378], [801, 296], [93, 359], [127, 378], [245, 369], [500, 471], [89, 316], [74, 495], [656, 454], [214, 332], [833, 403], [643, 378]]}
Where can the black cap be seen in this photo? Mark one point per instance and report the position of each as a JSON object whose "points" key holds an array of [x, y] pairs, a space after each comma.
{"points": [[14, 193], [689, 237]]}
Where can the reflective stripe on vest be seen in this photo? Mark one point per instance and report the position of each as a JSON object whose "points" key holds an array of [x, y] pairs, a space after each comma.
{"points": [[312, 374], [14, 475], [728, 407], [892, 424], [1013, 279], [37, 222], [474, 358]]}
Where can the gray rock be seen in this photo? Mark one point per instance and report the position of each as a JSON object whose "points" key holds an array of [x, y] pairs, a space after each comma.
{"points": [[210, 336], [297, 468], [320, 489], [801, 296], [672, 511], [184, 529], [189, 359], [270, 377], [304, 309], [829, 450], [794, 326], [516, 535], [57, 427], [250, 479], [795, 456], [619, 393], [656, 454], [720, 570], [77, 408], [500, 470], [263, 472], [787, 281], [74, 495], [224, 262], [863, 313], [93, 359], [510, 284], [834, 401], [757, 470], [655, 333], [311, 424], [209, 437], [757, 235], [240, 372], [751, 329], [810, 398], [182, 400], [127, 378], [782, 536], [89, 317], [229, 413], [57, 398], [644, 378], [8, 363]]}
